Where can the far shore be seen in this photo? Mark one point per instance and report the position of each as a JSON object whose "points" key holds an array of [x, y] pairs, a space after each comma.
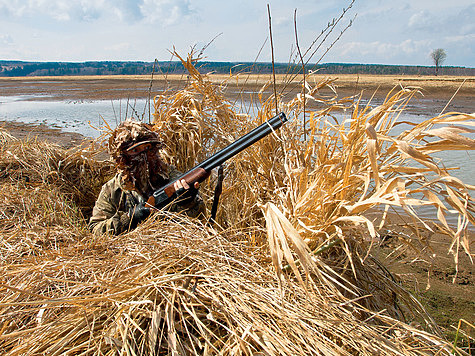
{"points": [[437, 94]]}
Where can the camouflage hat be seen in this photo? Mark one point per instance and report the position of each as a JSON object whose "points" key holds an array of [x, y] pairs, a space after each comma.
{"points": [[131, 132]]}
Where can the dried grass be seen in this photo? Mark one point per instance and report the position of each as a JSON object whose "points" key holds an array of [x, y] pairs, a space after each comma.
{"points": [[287, 270], [75, 172], [176, 287], [5, 136]]}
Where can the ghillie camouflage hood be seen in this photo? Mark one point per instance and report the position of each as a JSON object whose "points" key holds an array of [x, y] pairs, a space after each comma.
{"points": [[129, 133], [146, 170]]}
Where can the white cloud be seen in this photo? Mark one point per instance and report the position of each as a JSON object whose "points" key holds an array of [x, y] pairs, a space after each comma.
{"points": [[165, 12], [58, 10], [12, 7], [461, 39], [449, 21], [421, 20], [125, 10], [6, 40], [383, 52]]}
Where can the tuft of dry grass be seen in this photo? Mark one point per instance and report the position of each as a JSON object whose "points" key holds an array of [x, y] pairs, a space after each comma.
{"points": [[174, 286], [5, 136], [75, 172]]}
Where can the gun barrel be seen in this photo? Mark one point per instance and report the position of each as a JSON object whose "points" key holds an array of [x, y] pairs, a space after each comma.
{"points": [[163, 195], [244, 142]]}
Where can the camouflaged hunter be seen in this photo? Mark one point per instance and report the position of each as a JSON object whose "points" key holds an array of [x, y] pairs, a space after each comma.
{"points": [[145, 182], [121, 204]]}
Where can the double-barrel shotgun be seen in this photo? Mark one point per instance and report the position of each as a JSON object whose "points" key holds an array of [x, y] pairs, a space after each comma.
{"points": [[165, 195]]}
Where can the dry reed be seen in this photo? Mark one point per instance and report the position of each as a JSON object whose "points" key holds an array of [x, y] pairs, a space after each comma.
{"points": [[176, 287], [76, 172], [5, 136]]}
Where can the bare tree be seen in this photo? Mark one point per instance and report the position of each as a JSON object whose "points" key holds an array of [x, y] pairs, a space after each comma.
{"points": [[438, 56]]}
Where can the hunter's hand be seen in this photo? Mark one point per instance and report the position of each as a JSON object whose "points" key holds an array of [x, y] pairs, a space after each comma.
{"points": [[185, 193], [138, 214]]}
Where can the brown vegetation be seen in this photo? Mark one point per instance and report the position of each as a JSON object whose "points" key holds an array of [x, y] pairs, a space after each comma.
{"points": [[287, 270]]}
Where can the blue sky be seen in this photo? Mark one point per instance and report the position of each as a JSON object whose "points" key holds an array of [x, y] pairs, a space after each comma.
{"points": [[383, 31]]}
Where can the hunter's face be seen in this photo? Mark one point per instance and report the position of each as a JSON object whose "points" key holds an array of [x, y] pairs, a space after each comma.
{"points": [[135, 153], [140, 167]]}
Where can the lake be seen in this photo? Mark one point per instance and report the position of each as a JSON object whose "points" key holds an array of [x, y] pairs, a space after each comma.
{"points": [[84, 117]]}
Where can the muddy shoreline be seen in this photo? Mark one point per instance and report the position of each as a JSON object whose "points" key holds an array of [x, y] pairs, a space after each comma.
{"points": [[436, 93], [24, 131]]}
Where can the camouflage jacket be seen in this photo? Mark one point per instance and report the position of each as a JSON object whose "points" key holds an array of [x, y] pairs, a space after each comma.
{"points": [[110, 213]]}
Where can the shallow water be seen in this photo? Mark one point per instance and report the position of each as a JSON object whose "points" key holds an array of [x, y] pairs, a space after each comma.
{"points": [[84, 117], [88, 117]]}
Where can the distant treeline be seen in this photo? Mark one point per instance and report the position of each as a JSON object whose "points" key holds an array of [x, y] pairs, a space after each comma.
{"points": [[22, 69]]}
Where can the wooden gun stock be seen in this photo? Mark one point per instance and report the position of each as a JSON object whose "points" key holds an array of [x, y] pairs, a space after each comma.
{"points": [[163, 196]]}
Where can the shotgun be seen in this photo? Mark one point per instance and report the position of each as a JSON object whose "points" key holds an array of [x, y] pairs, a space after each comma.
{"points": [[165, 195]]}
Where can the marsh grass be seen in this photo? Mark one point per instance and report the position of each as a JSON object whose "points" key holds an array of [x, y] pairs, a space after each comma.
{"points": [[286, 270], [75, 172], [5, 136]]}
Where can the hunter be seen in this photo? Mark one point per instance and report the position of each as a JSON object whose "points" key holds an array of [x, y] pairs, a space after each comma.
{"points": [[120, 207]]}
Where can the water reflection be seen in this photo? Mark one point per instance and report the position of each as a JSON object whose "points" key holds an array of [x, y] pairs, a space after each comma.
{"points": [[84, 117]]}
